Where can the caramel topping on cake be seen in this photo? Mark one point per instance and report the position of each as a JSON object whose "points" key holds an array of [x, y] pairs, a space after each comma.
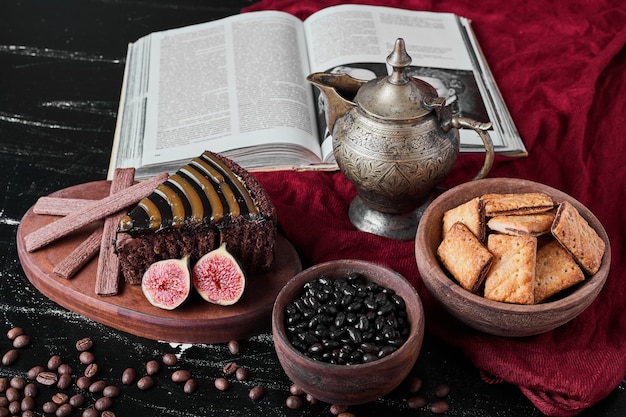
{"points": [[204, 190]]}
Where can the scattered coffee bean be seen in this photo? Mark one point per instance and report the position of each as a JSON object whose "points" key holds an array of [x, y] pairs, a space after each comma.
{"points": [[30, 390], [233, 347], [27, 404], [221, 384], [191, 385], [296, 390], [346, 414], [83, 382], [310, 399], [54, 362], [49, 407], [439, 407], [336, 409], [4, 384], [21, 341], [64, 382], [152, 367], [241, 374], [60, 398], [414, 384], [111, 391], [4, 402], [64, 410], [34, 371], [84, 344], [28, 413], [181, 375], [47, 378], [145, 383], [91, 370], [97, 386], [86, 358], [107, 413], [442, 390], [14, 407], [90, 412], [17, 382], [12, 394], [230, 368], [169, 359], [15, 332], [128, 376], [77, 400], [256, 393], [103, 403], [65, 368], [416, 402], [293, 402], [10, 357]]}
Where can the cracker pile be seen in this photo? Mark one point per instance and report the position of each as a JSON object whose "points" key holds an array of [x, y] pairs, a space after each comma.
{"points": [[520, 248]]}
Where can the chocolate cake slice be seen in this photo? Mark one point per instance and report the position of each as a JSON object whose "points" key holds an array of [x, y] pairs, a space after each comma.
{"points": [[209, 201]]}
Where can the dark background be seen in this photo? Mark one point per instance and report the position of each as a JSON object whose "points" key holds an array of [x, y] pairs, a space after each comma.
{"points": [[61, 67]]}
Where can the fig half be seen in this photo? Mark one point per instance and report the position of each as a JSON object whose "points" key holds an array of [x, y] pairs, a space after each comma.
{"points": [[167, 284], [218, 277]]}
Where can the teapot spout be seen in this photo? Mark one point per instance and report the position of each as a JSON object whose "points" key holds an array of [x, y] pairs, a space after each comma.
{"points": [[338, 91]]}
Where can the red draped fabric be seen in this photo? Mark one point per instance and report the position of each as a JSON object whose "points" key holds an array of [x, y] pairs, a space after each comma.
{"points": [[560, 66]]}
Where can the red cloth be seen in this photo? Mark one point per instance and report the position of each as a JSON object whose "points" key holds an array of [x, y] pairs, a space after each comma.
{"points": [[560, 67]]}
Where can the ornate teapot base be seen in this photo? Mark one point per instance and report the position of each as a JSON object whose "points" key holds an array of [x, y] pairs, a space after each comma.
{"points": [[395, 226]]}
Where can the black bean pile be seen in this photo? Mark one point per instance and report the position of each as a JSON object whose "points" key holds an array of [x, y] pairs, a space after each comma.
{"points": [[346, 320]]}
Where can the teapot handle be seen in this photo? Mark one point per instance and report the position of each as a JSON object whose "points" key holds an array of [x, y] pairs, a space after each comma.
{"points": [[481, 129]]}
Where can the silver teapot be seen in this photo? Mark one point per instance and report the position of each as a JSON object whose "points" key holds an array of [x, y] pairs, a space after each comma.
{"points": [[395, 140]]}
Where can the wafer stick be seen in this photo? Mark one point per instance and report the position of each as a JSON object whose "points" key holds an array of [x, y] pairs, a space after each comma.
{"points": [[79, 257], [94, 211], [108, 270], [59, 206]]}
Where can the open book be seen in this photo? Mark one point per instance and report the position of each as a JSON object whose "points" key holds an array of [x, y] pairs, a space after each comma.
{"points": [[237, 86]]}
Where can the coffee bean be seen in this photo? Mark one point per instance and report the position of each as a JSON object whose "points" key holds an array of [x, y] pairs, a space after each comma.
{"points": [[90, 412], [233, 347], [60, 398], [128, 376], [4, 402], [414, 384], [416, 401], [145, 383], [294, 402], [64, 410], [65, 368], [84, 344], [12, 394], [152, 367], [310, 399], [47, 378], [64, 382], [54, 362], [230, 368], [15, 407], [77, 400], [15, 332], [181, 375], [111, 391], [346, 414], [17, 382], [10, 357], [241, 374], [86, 358], [49, 407], [103, 403], [296, 390], [97, 386], [191, 385], [34, 371], [28, 413], [221, 384], [439, 407], [169, 359], [91, 370], [442, 390], [107, 413], [21, 341], [256, 393], [83, 382], [336, 409], [30, 390], [4, 384], [27, 404]]}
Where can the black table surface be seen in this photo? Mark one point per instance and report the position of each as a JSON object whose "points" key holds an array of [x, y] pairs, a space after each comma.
{"points": [[61, 67]]}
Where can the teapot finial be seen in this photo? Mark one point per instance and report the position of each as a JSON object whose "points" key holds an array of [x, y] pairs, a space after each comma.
{"points": [[399, 60]]}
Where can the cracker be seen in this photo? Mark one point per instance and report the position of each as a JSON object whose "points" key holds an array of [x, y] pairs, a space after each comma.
{"points": [[465, 257], [471, 214], [556, 270], [512, 275], [516, 203], [578, 237], [525, 224]]}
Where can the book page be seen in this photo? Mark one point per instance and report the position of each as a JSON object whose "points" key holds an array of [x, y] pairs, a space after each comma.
{"points": [[233, 83], [356, 39]]}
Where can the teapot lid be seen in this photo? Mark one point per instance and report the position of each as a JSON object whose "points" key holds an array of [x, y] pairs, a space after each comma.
{"points": [[396, 96]]}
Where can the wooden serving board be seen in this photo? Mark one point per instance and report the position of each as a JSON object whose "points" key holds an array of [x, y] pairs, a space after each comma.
{"points": [[197, 321]]}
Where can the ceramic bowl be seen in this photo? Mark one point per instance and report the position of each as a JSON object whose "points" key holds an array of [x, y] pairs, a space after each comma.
{"points": [[354, 383], [494, 317]]}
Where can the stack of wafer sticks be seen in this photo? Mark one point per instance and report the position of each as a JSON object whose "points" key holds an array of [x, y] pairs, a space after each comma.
{"points": [[77, 213]]}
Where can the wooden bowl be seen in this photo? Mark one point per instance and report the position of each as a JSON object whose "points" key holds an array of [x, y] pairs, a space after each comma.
{"points": [[494, 317], [357, 383]]}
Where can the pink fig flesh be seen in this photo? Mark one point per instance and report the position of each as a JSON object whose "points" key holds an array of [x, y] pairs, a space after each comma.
{"points": [[218, 277], [166, 284]]}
